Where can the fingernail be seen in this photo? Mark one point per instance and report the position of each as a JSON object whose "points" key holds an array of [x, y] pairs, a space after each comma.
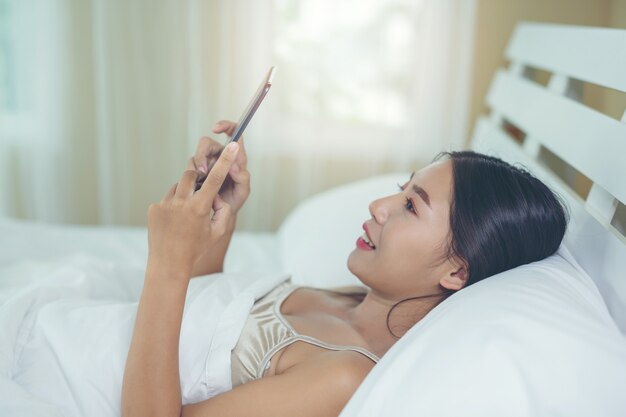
{"points": [[232, 147], [202, 169]]}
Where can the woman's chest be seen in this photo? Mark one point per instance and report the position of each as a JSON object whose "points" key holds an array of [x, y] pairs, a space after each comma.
{"points": [[321, 323]]}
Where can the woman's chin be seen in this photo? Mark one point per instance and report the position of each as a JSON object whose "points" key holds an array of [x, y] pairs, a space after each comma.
{"points": [[350, 260], [353, 265]]}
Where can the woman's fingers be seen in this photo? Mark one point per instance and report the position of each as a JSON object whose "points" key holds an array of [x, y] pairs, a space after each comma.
{"points": [[207, 148], [191, 165], [221, 212], [217, 175], [208, 152], [187, 184], [242, 156], [225, 126], [239, 176], [170, 193], [228, 127]]}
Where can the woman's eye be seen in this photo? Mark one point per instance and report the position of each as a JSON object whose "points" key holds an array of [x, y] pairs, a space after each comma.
{"points": [[410, 206], [409, 203]]}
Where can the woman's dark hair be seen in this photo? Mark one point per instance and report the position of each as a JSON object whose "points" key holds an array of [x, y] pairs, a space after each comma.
{"points": [[501, 217]]}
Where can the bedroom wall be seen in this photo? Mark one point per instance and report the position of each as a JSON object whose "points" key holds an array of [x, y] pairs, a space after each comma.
{"points": [[614, 102]]}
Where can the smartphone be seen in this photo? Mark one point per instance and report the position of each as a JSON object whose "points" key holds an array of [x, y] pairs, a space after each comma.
{"points": [[254, 104]]}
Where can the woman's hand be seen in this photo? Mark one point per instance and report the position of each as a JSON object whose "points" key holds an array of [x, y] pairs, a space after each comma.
{"points": [[236, 187], [185, 223]]}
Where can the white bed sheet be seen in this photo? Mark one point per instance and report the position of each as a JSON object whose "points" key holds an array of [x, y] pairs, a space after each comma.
{"points": [[68, 298], [69, 292], [27, 242]]}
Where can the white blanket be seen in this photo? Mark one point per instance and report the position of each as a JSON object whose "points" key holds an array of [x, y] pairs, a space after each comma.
{"points": [[65, 337]]}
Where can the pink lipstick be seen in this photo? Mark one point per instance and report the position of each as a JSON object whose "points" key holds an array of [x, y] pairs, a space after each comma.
{"points": [[360, 243]]}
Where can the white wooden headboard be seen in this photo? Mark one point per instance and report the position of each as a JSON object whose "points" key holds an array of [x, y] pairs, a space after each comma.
{"points": [[553, 118]]}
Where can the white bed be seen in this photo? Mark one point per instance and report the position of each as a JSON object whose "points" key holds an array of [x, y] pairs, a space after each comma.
{"points": [[544, 339]]}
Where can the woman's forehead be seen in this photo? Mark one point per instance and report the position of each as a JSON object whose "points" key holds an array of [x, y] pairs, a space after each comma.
{"points": [[435, 179], [439, 170]]}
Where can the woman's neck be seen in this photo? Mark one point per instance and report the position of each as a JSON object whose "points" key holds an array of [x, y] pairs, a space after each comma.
{"points": [[369, 318]]}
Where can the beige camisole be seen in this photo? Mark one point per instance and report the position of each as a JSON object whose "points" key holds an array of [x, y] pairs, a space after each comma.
{"points": [[265, 332]]}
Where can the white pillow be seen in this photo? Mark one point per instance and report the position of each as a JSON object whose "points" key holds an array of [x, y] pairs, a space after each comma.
{"points": [[536, 340], [532, 341], [319, 234]]}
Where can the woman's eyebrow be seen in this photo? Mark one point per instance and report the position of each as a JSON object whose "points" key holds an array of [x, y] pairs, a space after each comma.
{"points": [[421, 192]]}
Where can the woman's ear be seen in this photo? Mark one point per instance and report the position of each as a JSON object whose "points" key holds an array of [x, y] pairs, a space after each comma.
{"points": [[455, 279]]}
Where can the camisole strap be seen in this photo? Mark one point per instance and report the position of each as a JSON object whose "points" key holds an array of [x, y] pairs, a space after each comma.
{"points": [[303, 338]]}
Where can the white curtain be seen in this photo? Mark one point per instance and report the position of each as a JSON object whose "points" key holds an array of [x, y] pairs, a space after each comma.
{"points": [[119, 92]]}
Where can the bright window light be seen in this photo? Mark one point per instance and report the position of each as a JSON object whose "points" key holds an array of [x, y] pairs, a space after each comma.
{"points": [[350, 61]]}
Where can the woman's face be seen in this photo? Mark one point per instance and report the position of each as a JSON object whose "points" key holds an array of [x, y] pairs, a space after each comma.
{"points": [[410, 232]]}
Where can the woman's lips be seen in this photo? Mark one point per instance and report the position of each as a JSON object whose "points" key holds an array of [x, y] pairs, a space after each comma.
{"points": [[360, 243]]}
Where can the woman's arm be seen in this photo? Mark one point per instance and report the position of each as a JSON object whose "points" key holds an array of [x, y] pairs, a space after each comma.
{"points": [[319, 387], [177, 228], [151, 384]]}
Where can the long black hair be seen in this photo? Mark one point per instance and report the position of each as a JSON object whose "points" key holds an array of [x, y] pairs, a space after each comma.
{"points": [[501, 217]]}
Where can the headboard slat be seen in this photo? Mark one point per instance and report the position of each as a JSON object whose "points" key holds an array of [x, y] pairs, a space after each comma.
{"points": [[596, 245], [569, 129], [572, 51], [602, 202]]}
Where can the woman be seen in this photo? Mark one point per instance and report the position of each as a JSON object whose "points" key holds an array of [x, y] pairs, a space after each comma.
{"points": [[453, 223]]}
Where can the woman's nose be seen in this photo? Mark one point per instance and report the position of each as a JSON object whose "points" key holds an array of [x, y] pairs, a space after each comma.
{"points": [[379, 210]]}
